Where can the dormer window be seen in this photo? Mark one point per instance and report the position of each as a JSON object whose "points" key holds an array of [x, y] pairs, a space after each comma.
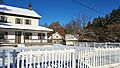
{"points": [[18, 21], [3, 19], [28, 22]]}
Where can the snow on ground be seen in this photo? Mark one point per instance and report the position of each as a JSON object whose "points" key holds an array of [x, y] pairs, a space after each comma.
{"points": [[48, 47]]}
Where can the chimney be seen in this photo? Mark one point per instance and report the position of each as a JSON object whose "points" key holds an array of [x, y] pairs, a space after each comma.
{"points": [[30, 6]]}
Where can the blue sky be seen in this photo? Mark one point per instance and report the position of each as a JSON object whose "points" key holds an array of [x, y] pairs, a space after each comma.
{"points": [[64, 10]]}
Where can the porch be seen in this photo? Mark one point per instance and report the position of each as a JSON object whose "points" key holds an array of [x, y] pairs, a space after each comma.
{"points": [[27, 37]]}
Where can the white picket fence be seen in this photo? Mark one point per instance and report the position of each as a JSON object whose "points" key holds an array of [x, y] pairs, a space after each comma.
{"points": [[91, 58], [67, 58], [96, 44], [46, 59], [99, 58]]}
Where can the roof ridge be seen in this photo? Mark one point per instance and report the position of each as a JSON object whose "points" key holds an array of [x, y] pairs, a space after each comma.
{"points": [[17, 7]]}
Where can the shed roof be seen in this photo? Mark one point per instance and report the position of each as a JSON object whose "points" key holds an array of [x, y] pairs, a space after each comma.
{"points": [[71, 37]]}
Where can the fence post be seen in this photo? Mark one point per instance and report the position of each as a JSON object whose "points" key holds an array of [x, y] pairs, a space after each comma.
{"points": [[106, 45], [3, 59], [14, 54], [74, 59], [94, 58]]}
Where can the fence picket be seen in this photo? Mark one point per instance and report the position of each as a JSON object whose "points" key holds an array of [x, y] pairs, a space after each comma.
{"points": [[8, 58], [38, 59], [27, 55], [30, 64], [18, 60], [34, 61], [59, 58], [64, 57], [53, 58], [70, 58], [42, 60], [22, 59], [73, 59]]}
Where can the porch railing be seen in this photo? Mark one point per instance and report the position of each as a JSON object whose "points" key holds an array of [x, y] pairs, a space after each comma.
{"points": [[11, 41]]}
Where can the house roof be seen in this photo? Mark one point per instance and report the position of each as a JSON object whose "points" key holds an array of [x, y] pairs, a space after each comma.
{"points": [[23, 27], [56, 34], [71, 37], [18, 11]]}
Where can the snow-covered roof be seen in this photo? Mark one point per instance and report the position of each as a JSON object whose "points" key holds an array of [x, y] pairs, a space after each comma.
{"points": [[18, 11], [23, 27], [56, 36], [71, 37]]}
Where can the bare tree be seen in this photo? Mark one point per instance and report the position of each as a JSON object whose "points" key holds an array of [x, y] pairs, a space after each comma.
{"points": [[76, 24], [84, 21], [73, 26]]}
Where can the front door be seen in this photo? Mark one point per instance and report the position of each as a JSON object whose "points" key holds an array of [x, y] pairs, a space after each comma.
{"points": [[18, 37]]}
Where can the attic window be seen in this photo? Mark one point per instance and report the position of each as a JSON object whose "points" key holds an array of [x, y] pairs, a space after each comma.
{"points": [[28, 22], [56, 36], [18, 21]]}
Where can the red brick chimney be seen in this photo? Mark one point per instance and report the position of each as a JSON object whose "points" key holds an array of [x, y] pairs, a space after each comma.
{"points": [[30, 6]]}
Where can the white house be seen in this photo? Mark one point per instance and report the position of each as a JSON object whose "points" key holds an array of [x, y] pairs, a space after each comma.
{"points": [[56, 38], [72, 39], [21, 26]]}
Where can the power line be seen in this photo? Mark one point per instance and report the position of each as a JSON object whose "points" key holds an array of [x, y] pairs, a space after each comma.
{"points": [[79, 3]]}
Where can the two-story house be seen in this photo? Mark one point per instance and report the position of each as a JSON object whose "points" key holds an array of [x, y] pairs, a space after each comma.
{"points": [[21, 26]]}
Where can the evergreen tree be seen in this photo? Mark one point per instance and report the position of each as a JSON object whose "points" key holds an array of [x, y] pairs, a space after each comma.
{"points": [[107, 28]]}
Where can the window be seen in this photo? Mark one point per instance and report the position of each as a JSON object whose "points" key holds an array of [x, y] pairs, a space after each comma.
{"points": [[28, 22], [3, 35], [54, 42], [56, 36], [6, 34], [18, 21], [41, 35], [3, 19], [28, 35]]}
